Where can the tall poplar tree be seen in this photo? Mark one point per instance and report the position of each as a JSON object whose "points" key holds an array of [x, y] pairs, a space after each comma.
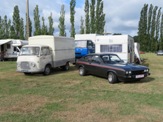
{"points": [[37, 21], [142, 29], [72, 18], [16, 22], [153, 30], [100, 18], [92, 16], [161, 34], [157, 29], [82, 26], [61, 25], [22, 29], [44, 27], [87, 21], [149, 27], [51, 28]]}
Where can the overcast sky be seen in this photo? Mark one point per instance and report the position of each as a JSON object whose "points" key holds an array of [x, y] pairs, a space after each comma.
{"points": [[122, 16]]}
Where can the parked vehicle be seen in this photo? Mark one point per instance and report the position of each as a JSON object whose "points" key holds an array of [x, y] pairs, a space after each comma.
{"points": [[122, 45], [10, 48], [83, 47], [160, 52], [112, 67], [46, 52]]}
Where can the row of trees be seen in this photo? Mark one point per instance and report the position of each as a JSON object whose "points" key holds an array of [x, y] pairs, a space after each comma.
{"points": [[94, 17], [150, 30], [94, 22]]}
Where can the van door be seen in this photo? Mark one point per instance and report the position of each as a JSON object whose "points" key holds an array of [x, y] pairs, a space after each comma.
{"points": [[45, 57]]}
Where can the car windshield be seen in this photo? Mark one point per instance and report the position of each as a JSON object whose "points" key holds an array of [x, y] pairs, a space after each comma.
{"points": [[111, 59], [80, 43], [30, 51]]}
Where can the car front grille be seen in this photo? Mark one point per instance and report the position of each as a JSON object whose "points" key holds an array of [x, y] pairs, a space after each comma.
{"points": [[25, 65], [138, 72]]}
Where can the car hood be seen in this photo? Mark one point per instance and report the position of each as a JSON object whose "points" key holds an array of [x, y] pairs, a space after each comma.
{"points": [[129, 66]]}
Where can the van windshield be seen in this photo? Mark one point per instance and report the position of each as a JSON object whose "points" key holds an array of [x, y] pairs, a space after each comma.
{"points": [[30, 51], [80, 43]]}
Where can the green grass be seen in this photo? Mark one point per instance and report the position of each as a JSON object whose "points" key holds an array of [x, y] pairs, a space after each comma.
{"points": [[66, 96]]}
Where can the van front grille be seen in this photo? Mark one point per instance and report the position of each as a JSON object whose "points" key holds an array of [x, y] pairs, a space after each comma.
{"points": [[25, 65]]}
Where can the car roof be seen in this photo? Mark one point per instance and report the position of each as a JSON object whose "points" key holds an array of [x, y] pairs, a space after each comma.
{"points": [[91, 54]]}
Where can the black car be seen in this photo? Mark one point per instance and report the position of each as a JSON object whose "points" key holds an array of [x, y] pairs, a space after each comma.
{"points": [[111, 67]]}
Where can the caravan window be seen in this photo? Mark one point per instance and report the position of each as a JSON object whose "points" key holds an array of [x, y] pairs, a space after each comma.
{"points": [[111, 48], [8, 46]]}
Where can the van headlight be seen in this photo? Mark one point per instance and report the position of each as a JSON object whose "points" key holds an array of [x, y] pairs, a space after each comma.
{"points": [[33, 64], [18, 64]]}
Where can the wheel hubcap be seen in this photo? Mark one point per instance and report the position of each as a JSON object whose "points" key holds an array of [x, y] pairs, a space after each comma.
{"points": [[110, 78]]}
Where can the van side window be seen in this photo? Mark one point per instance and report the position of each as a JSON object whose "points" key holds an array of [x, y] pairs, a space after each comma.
{"points": [[45, 51]]}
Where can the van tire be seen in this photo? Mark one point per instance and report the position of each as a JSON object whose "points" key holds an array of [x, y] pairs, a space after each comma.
{"points": [[66, 67], [47, 70]]}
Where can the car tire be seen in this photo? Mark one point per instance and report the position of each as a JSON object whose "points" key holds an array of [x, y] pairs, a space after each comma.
{"points": [[47, 70], [82, 71], [112, 78], [66, 67]]}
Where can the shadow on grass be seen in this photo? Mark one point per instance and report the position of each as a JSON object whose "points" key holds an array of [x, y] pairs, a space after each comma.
{"points": [[54, 71], [145, 80]]}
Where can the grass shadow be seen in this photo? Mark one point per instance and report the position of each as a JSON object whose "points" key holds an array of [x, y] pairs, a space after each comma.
{"points": [[145, 80]]}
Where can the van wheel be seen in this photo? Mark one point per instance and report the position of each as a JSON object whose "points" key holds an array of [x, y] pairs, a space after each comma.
{"points": [[27, 73], [66, 67], [82, 71], [47, 70], [112, 78]]}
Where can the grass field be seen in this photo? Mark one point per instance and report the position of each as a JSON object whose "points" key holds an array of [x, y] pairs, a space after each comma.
{"points": [[68, 97]]}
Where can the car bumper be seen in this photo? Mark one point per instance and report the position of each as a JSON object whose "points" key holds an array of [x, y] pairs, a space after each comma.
{"points": [[134, 77]]}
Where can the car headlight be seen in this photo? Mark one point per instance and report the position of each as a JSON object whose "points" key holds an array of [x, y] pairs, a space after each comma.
{"points": [[146, 70], [128, 72]]}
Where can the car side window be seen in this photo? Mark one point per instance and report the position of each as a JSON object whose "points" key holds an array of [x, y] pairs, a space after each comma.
{"points": [[96, 59], [87, 58]]}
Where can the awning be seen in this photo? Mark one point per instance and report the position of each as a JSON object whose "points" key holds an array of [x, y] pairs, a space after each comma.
{"points": [[4, 41]]}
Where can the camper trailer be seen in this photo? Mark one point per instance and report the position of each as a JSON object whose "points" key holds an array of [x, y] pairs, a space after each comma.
{"points": [[44, 53], [122, 45], [10, 48]]}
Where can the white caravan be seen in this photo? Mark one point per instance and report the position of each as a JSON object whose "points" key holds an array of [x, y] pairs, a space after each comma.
{"points": [[45, 52], [122, 45], [10, 48]]}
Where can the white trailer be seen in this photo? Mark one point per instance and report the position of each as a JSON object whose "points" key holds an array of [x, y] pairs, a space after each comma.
{"points": [[45, 52], [10, 48], [122, 45]]}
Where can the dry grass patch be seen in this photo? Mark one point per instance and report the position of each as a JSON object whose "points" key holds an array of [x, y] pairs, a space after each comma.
{"points": [[88, 112], [22, 104]]}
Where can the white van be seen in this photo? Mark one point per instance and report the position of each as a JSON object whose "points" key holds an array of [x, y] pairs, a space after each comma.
{"points": [[45, 52]]}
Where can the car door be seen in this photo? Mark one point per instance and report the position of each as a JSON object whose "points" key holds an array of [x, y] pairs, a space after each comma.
{"points": [[97, 66]]}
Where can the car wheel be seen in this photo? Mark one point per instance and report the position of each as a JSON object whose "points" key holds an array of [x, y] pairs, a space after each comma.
{"points": [[112, 78], [82, 71], [47, 70]]}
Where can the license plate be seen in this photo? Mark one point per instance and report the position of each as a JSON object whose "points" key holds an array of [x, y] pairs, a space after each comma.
{"points": [[140, 76]]}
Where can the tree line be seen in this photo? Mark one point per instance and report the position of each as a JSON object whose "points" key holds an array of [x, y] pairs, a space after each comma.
{"points": [[150, 28], [94, 22]]}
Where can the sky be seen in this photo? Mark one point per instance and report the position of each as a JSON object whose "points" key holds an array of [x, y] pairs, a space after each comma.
{"points": [[122, 16]]}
